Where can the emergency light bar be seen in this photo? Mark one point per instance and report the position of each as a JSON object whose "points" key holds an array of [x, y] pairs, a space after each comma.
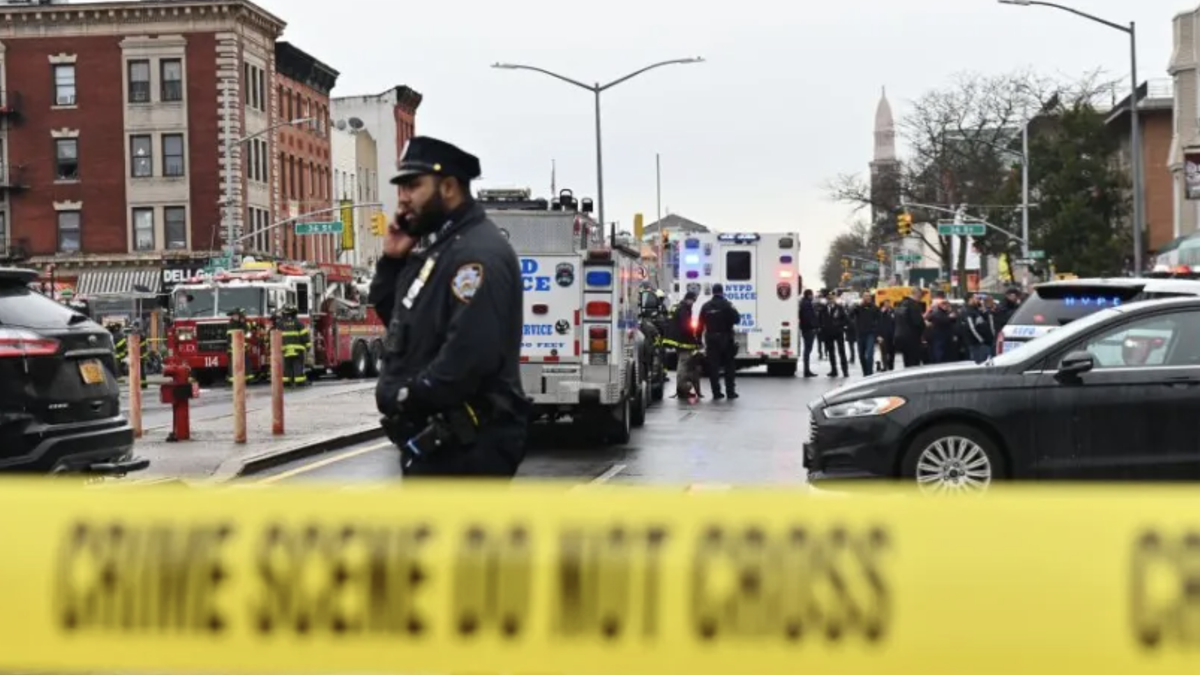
{"points": [[740, 238]]}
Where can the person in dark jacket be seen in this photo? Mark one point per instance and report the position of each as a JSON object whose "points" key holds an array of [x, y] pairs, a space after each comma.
{"points": [[978, 330], [851, 335], [718, 318], [808, 329], [866, 320], [449, 289], [887, 336], [910, 329], [941, 331], [1008, 307], [832, 320]]}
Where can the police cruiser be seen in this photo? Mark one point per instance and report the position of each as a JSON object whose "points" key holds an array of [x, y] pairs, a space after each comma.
{"points": [[761, 277], [1057, 303], [582, 332]]}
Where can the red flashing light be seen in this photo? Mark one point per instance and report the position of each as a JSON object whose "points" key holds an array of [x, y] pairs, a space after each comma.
{"points": [[541, 309], [598, 309]]}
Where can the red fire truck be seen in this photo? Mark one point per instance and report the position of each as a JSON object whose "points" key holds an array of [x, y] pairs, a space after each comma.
{"points": [[347, 335]]}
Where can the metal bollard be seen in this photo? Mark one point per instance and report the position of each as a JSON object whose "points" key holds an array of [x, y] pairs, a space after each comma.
{"points": [[277, 382], [237, 370], [134, 341]]}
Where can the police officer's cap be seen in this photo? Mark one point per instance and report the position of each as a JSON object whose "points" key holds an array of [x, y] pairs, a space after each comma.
{"points": [[424, 155]]}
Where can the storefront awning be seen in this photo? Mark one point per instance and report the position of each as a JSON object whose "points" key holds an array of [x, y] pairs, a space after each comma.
{"points": [[115, 282]]}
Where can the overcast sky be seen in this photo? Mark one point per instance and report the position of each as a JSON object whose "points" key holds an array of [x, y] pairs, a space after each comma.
{"points": [[785, 100]]}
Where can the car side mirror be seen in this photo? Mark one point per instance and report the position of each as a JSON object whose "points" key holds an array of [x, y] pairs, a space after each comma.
{"points": [[1076, 364]]}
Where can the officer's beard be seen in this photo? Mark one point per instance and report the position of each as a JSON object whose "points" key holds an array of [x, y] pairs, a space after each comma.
{"points": [[431, 218]]}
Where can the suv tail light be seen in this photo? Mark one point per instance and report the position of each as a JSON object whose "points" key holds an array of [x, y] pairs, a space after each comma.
{"points": [[15, 342], [598, 309], [598, 339]]}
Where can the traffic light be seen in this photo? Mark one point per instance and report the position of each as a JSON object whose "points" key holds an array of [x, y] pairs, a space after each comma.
{"points": [[904, 223], [845, 263], [378, 224], [881, 254], [666, 237], [845, 277]]}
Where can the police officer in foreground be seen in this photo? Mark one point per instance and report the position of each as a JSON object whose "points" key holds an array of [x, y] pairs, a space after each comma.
{"points": [[718, 317], [449, 289]]}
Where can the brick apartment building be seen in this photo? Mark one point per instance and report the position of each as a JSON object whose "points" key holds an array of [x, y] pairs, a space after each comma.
{"points": [[1156, 101], [391, 119], [303, 85], [114, 129]]}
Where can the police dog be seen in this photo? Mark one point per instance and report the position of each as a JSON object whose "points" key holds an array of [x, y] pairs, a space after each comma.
{"points": [[687, 376]]}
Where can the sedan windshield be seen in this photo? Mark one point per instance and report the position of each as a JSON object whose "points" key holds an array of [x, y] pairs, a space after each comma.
{"points": [[1051, 341]]}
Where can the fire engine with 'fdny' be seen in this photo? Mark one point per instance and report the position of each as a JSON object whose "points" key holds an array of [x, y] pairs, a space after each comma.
{"points": [[347, 335], [583, 340], [761, 277]]}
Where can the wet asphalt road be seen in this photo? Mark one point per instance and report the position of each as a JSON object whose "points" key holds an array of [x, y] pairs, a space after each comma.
{"points": [[754, 440], [218, 401]]}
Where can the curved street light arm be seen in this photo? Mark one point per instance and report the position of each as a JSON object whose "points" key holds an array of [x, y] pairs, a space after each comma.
{"points": [[635, 73], [1076, 12], [564, 78]]}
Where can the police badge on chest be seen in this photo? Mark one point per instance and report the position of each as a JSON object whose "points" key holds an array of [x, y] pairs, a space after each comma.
{"points": [[418, 284]]}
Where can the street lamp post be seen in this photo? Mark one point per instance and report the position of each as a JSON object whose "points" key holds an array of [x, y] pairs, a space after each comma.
{"points": [[596, 90], [231, 204], [1139, 206]]}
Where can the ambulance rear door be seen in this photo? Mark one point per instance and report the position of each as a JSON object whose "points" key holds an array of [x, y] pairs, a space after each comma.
{"points": [[552, 302]]}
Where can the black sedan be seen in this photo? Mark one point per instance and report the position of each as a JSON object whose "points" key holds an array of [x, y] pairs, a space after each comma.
{"points": [[59, 400], [1115, 395]]}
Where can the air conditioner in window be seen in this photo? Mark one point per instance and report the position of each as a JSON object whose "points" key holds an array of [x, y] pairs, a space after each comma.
{"points": [[65, 100]]}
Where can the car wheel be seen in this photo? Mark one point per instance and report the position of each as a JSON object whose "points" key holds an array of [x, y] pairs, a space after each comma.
{"points": [[953, 458], [362, 360], [622, 429]]}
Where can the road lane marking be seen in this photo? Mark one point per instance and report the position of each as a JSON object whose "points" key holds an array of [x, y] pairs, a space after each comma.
{"points": [[301, 470], [613, 472]]}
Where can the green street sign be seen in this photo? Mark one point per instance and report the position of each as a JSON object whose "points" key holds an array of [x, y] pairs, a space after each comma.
{"points": [[1037, 255], [870, 266], [962, 229], [909, 257], [331, 227]]}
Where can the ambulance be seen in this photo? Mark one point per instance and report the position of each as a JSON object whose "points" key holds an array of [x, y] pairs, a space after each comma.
{"points": [[582, 333], [761, 276]]}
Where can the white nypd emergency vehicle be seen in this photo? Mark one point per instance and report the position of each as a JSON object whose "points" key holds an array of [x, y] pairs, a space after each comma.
{"points": [[578, 358], [761, 277]]}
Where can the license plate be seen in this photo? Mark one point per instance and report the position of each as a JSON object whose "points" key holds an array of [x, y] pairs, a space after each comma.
{"points": [[92, 372]]}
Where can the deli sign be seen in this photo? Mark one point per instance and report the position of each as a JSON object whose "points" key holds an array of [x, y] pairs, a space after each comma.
{"points": [[180, 271]]}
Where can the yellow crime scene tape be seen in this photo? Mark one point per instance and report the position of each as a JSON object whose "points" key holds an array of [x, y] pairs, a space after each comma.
{"points": [[536, 580]]}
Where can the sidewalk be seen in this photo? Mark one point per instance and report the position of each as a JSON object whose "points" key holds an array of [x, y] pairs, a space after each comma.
{"points": [[313, 425]]}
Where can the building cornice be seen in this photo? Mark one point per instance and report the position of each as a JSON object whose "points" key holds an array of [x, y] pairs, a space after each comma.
{"points": [[117, 17]]}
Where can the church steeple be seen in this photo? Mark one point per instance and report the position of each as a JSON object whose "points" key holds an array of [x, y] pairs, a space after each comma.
{"points": [[885, 131]]}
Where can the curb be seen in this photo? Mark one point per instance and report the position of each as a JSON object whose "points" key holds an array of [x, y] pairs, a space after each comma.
{"points": [[270, 459]]}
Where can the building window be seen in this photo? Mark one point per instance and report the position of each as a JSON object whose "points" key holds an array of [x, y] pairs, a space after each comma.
{"points": [[143, 229], [66, 158], [69, 238], [139, 81], [141, 154], [171, 74], [64, 84], [175, 227], [173, 159]]}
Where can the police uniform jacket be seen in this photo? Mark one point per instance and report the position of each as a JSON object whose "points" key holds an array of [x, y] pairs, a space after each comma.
{"points": [[455, 314], [718, 316]]}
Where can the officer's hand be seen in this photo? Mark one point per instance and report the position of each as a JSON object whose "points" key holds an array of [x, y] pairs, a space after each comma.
{"points": [[397, 243]]}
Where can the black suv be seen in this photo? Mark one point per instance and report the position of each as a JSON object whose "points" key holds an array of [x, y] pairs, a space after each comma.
{"points": [[60, 406]]}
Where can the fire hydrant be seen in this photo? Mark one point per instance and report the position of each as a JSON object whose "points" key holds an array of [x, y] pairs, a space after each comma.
{"points": [[178, 392]]}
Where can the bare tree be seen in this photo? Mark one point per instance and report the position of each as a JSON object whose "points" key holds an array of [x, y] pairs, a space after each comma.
{"points": [[960, 140], [857, 244]]}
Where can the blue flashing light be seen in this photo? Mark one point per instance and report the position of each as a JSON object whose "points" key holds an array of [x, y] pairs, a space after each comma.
{"points": [[1099, 302], [691, 243], [785, 259], [599, 278], [693, 274]]}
